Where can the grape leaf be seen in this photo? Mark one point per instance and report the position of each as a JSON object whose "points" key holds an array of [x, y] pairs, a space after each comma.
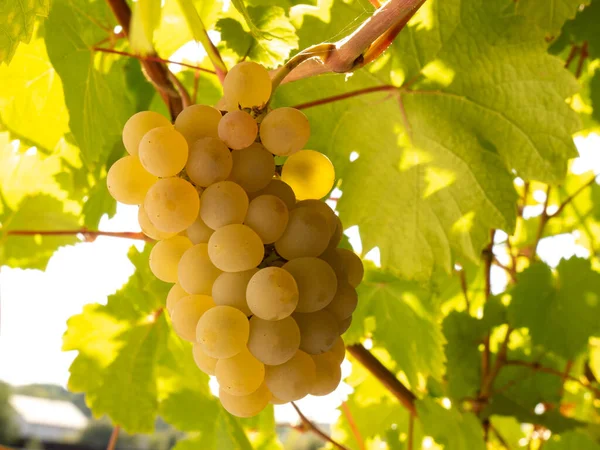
{"points": [[263, 430], [595, 95], [145, 18], [572, 440], [549, 16], [583, 28], [227, 434], [17, 21]]}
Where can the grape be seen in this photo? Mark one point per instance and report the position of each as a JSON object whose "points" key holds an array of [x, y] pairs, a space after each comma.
{"points": [[241, 374], [293, 379], [230, 289], [198, 121], [318, 331], [344, 302], [273, 342], [222, 332], [284, 131], [196, 272], [172, 204], [276, 401], [329, 375], [324, 209], [272, 293], [268, 216], [165, 256], [223, 105], [138, 125], [316, 281], [338, 351], [223, 203], [333, 258], [209, 161], [128, 182], [235, 248], [246, 405], [204, 362], [175, 294], [163, 151], [199, 232], [336, 237], [247, 84], [238, 129], [353, 265], [345, 324], [253, 167], [306, 234], [187, 312], [148, 227], [309, 173], [279, 189]]}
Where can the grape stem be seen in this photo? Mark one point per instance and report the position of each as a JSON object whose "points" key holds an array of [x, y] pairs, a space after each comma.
{"points": [[88, 235], [112, 443], [312, 427]]}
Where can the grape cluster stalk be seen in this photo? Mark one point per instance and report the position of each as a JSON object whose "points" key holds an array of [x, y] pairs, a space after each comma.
{"points": [[260, 287]]}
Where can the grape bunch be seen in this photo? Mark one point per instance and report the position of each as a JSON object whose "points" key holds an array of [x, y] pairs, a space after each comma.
{"points": [[260, 287]]}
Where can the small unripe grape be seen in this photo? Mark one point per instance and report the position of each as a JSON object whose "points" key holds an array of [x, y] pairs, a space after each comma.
{"points": [[284, 131], [172, 204], [247, 85], [235, 248], [279, 189], [209, 161], [223, 203], [138, 125], [187, 312], [272, 293], [198, 121], [163, 151], [253, 167], [309, 173], [238, 129], [268, 216], [128, 182], [165, 256], [148, 227]]}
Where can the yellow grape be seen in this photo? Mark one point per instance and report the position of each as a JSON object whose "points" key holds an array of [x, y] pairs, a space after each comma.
{"points": [[230, 289], [345, 324], [222, 332], [284, 131], [328, 375], [223, 203], [187, 312], [336, 237], [307, 234], [317, 283], [196, 273], [293, 379], [309, 173], [235, 248], [247, 85], [138, 125], [198, 121], [253, 167], [246, 405], [272, 293], [223, 105], [204, 362], [324, 209], [344, 302], [128, 182], [353, 265], [241, 374], [165, 256], [172, 204], [318, 331], [273, 342], [163, 151], [276, 401], [338, 351], [268, 216], [148, 227], [238, 129], [333, 258], [175, 294], [279, 189], [209, 161], [199, 232]]}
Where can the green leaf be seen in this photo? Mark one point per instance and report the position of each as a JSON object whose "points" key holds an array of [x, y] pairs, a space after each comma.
{"points": [[561, 314], [145, 19], [572, 440], [583, 28], [17, 21], [549, 16], [226, 434], [595, 95]]}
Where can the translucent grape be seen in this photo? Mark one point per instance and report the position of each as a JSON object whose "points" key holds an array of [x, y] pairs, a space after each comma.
{"points": [[328, 375], [209, 161], [230, 289], [323, 208], [309, 173], [293, 379], [241, 374], [148, 227], [128, 182], [163, 151], [246, 405], [223, 203], [338, 351], [172, 204], [345, 324], [196, 273], [199, 232], [187, 312], [268, 216], [222, 332], [273, 342], [253, 167], [307, 234], [318, 331], [276, 401], [344, 302], [284, 131], [333, 258], [279, 189], [316, 281], [198, 121], [247, 85], [223, 105], [138, 125], [175, 294], [272, 293], [353, 265], [235, 248], [165, 256], [204, 362], [238, 129]]}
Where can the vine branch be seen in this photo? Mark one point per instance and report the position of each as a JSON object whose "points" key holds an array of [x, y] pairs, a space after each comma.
{"points": [[88, 235], [312, 427], [112, 443], [344, 96]]}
